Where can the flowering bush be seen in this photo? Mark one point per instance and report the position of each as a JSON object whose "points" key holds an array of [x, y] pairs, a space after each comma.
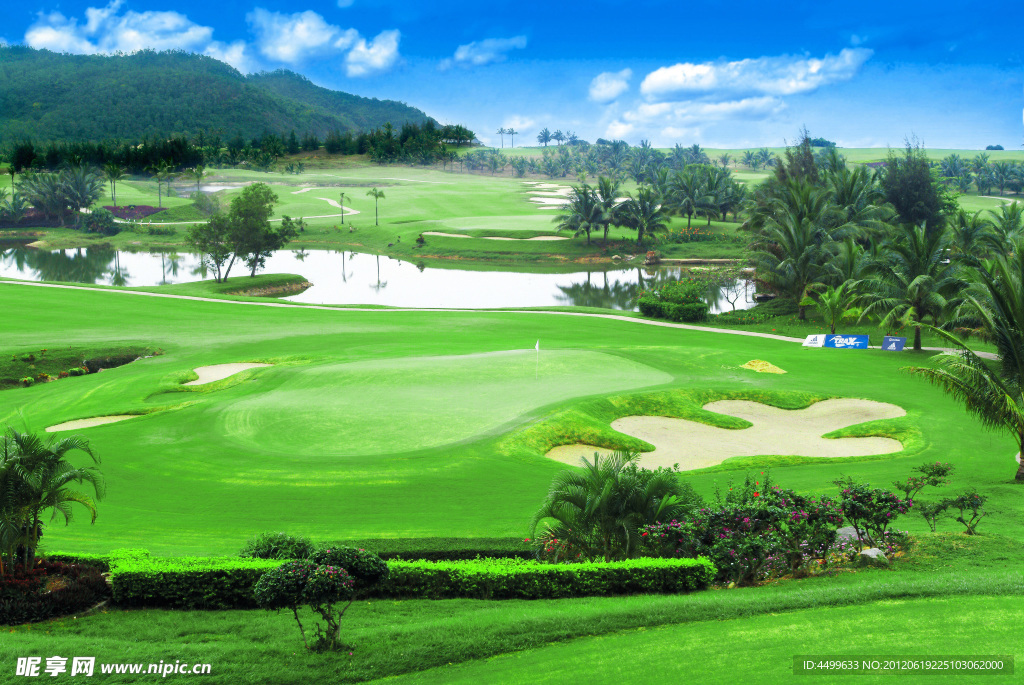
{"points": [[870, 511], [758, 530], [320, 587]]}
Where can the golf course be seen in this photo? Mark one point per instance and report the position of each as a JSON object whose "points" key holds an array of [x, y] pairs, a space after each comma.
{"points": [[219, 412]]}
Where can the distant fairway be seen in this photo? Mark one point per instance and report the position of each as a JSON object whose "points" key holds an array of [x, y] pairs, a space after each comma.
{"points": [[421, 424]]}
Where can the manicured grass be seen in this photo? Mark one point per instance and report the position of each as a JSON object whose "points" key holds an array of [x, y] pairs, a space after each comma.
{"points": [[399, 638], [761, 649], [368, 415]]}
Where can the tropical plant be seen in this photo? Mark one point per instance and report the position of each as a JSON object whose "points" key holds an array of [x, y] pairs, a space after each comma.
{"points": [[913, 281], [584, 212], [834, 305], [544, 137], [377, 195], [607, 195], [113, 173], [35, 476], [994, 308], [600, 509], [644, 213]]}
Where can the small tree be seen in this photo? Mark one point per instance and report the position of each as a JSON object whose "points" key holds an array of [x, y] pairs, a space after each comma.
{"points": [[377, 195], [971, 506]]}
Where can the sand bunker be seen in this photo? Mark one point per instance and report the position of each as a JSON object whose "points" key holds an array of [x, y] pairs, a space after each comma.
{"points": [[335, 203], [463, 235], [78, 424], [774, 431], [209, 374], [304, 190], [761, 366]]}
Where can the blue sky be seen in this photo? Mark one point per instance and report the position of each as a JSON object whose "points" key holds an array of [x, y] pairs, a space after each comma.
{"points": [[727, 74]]}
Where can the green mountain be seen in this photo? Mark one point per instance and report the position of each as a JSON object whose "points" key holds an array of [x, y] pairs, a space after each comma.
{"points": [[46, 96]]}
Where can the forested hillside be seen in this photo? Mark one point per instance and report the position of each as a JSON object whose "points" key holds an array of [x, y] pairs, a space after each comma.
{"points": [[48, 96]]}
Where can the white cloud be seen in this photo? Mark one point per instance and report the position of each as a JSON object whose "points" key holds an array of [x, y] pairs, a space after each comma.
{"points": [[293, 38], [489, 51], [609, 85], [518, 123], [781, 75], [105, 30], [690, 112], [235, 54], [379, 55], [618, 130]]}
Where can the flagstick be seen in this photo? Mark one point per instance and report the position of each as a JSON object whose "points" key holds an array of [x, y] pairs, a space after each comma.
{"points": [[536, 375]]}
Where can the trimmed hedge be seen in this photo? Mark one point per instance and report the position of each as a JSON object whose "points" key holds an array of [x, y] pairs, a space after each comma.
{"points": [[443, 549], [654, 308], [228, 582], [512, 579], [188, 583]]}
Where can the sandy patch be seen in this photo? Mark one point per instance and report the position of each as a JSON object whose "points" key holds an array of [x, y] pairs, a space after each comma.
{"points": [[774, 431], [441, 234], [304, 190], [1003, 198], [492, 237], [209, 374], [335, 203], [78, 424], [548, 200], [761, 366], [539, 237]]}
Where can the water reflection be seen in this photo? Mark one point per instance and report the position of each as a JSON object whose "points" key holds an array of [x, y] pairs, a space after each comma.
{"points": [[341, 277]]}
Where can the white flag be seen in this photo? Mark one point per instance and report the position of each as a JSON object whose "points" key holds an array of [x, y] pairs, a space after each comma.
{"points": [[537, 346]]}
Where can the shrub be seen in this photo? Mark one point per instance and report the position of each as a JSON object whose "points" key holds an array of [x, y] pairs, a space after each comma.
{"points": [[366, 568], [932, 511], [78, 371], [51, 588], [26, 381], [302, 582], [934, 474], [101, 221], [278, 546], [757, 531], [520, 579], [63, 374], [189, 582], [43, 378], [971, 506], [870, 511], [676, 301]]}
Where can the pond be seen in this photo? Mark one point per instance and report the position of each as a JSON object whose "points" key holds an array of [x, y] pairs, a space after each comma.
{"points": [[354, 278]]}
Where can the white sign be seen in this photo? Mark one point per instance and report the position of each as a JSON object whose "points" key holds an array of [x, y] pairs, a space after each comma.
{"points": [[815, 340]]}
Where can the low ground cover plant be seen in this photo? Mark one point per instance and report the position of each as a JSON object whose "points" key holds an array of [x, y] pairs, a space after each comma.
{"points": [[48, 589], [677, 301]]}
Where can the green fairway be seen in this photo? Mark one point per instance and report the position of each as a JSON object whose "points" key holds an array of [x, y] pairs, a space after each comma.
{"points": [[366, 416], [761, 649]]}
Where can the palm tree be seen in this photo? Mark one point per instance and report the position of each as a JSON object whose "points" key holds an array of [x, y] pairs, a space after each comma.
{"points": [[972, 234], [161, 172], [834, 305], [377, 195], [113, 173], [342, 203], [512, 134], [35, 476], [558, 136], [793, 247], [501, 132], [725, 160], [544, 136], [584, 212], [199, 173], [1008, 224], [992, 392], [600, 509], [607, 195], [644, 213], [749, 159], [686, 192], [912, 282]]}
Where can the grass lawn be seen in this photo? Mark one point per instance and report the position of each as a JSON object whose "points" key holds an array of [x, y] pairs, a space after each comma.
{"points": [[366, 415], [422, 424]]}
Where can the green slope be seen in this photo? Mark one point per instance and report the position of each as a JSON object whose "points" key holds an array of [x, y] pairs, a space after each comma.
{"points": [[48, 96]]}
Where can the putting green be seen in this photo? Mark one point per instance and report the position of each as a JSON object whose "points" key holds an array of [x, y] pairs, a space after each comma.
{"points": [[395, 405]]}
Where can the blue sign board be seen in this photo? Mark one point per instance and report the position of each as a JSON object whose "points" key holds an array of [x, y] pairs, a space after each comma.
{"points": [[893, 344], [855, 342]]}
